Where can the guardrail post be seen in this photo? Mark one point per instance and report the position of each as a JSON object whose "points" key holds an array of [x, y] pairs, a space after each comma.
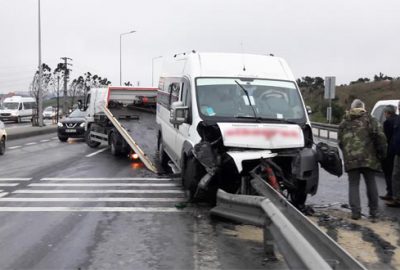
{"points": [[269, 247]]}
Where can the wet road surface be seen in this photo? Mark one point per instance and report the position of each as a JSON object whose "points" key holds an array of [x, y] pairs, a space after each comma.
{"points": [[67, 206]]}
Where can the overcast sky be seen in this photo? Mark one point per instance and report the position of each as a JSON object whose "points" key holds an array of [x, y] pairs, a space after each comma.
{"points": [[342, 38]]}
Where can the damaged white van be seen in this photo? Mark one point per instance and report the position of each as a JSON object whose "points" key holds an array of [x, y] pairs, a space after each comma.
{"points": [[221, 116]]}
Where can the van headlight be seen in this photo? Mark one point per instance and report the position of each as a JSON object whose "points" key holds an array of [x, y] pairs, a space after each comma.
{"points": [[82, 125], [60, 124]]}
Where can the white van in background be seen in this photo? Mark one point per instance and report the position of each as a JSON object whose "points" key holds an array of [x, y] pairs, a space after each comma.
{"points": [[17, 108], [222, 114], [377, 111]]}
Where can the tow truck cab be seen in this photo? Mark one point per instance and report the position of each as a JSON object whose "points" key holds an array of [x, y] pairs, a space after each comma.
{"points": [[222, 114]]}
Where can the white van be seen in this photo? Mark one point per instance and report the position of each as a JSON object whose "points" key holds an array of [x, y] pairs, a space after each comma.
{"points": [[220, 114], [17, 108], [378, 113]]}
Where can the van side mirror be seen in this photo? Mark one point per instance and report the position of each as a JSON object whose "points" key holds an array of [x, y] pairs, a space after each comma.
{"points": [[179, 113]]}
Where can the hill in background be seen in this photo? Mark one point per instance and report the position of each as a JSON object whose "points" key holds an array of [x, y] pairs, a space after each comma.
{"points": [[369, 92]]}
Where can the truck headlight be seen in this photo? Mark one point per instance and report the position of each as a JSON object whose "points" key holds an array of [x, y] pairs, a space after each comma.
{"points": [[82, 125], [60, 124]]}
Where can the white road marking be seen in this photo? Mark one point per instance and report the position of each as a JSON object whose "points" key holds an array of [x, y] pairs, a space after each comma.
{"points": [[54, 138], [2, 194], [44, 141], [14, 147], [106, 199], [97, 152], [106, 179], [8, 185], [138, 191], [31, 143], [15, 179], [92, 209], [103, 185]]}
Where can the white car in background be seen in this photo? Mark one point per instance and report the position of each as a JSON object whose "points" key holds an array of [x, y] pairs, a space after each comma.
{"points": [[51, 112], [378, 110], [3, 138]]}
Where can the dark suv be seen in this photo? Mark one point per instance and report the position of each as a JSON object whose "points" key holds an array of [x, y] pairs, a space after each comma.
{"points": [[72, 126]]}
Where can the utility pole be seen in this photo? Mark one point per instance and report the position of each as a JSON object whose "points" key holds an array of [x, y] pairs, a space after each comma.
{"points": [[152, 69], [40, 95], [120, 54], [66, 77]]}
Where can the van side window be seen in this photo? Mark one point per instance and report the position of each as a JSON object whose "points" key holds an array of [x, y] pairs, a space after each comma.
{"points": [[186, 98], [28, 105], [378, 114], [173, 91]]}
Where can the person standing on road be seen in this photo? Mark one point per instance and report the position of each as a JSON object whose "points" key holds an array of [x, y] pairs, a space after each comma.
{"points": [[387, 164], [363, 144], [395, 144]]}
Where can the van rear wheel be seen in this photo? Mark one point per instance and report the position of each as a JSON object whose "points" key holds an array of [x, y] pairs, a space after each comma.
{"points": [[162, 155]]}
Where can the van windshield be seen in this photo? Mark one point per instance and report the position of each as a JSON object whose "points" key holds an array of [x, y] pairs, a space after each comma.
{"points": [[10, 105], [270, 99]]}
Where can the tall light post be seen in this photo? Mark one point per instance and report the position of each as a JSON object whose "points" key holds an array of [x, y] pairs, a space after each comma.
{"points": [[40, 97], [152, 68], [120, 54]]}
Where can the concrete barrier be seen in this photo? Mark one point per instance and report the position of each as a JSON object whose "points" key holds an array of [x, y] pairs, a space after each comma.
{"points": [[29, 131]]}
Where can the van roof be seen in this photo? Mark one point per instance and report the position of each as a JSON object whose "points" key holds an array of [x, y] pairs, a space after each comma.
{"points": [[19, 99], [227, 65]]}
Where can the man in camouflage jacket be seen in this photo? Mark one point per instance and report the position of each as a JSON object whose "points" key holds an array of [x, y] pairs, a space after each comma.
{"points": [[363, 144]]}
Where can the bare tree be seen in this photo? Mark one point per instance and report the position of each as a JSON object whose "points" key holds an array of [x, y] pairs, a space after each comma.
{"points": [[76, 88], [46, 83]]}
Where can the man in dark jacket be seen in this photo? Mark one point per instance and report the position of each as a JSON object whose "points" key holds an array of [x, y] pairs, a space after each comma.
{"points": [[395, 145], [387, 165], [363, 145]]}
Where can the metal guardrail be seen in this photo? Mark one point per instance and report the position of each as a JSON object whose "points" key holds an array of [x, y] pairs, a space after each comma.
{"points": [[302, 243], [325, 131]]}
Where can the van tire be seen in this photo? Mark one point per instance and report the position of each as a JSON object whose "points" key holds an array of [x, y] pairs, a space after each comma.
{"points": [[192, 173], [2, 146], [162, 155], [298, 197], [89, 142]]}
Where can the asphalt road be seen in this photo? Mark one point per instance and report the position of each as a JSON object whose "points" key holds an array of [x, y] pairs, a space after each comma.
{"points": [[67, 206]]}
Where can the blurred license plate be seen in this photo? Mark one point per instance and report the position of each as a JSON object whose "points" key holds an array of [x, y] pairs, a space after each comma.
{"points": [[70, 130]]}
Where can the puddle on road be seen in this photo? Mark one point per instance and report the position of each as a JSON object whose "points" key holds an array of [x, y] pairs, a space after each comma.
{"points": [[376, 245]]}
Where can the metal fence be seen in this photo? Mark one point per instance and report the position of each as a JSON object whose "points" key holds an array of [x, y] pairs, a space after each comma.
{"points": [[325, 131], [302, 243]]}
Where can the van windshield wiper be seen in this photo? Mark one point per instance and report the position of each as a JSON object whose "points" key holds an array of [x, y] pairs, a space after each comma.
{"points": [[259, 118], [248, 98]]}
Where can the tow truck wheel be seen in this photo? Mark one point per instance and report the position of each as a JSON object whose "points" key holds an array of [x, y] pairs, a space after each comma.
{"points": [[2, 146], [115, 148], [89, 142]]}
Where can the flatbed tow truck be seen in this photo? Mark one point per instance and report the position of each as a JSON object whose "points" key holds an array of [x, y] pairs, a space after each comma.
{"points": [[122, 117]]}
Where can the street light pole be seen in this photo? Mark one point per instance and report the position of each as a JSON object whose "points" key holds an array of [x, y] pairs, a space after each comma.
{"points": [[152, 69], [120, 54], [40, 97]]}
